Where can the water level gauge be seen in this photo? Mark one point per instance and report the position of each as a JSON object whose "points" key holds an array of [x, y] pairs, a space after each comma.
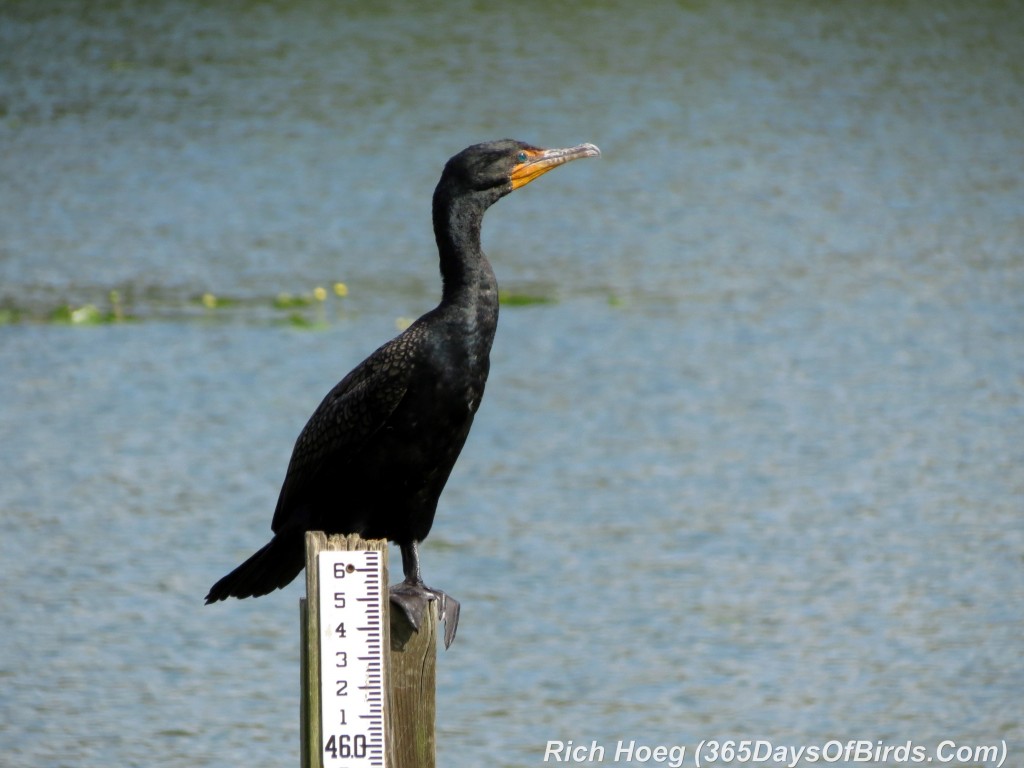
{"points": [[352, 685]]}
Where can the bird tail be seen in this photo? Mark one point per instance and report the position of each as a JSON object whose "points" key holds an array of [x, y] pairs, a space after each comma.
{"points": [[274, 566]]}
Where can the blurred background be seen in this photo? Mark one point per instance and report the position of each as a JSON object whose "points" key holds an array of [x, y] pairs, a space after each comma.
{"points": [[751, 459]]}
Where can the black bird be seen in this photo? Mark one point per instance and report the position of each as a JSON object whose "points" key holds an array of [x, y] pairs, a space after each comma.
{"points": [[375, 455]]}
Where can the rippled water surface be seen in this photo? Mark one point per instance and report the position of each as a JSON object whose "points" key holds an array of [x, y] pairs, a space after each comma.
{"points": [[751, 460]]}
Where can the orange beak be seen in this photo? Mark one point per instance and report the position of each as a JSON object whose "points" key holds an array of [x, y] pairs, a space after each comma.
{"points": [[540, 161]]}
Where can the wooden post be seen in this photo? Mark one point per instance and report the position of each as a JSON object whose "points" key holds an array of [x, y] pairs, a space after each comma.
{"points": [[411, 690], [410, 669]]}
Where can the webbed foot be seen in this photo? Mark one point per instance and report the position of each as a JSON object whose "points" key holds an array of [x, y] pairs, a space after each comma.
{"points": [[413, 598]]}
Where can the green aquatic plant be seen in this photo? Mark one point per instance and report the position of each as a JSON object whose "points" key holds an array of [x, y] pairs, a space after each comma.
{"points": [[212, 301], [522, 299], [285, 300], [316, 298], [308, 309], [87, 314], [301, 322], [116, 309]]}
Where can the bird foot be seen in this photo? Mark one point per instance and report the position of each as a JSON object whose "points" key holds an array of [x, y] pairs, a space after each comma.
{"points": [[413, 599]]}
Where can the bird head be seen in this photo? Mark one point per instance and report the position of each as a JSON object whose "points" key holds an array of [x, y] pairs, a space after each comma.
{"points": [[505, 165]]}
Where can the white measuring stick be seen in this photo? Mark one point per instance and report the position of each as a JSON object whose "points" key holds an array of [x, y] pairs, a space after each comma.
{"points": [[352, 685]]}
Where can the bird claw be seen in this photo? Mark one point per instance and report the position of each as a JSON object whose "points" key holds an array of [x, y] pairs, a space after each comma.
{"points": [[413, 600]]}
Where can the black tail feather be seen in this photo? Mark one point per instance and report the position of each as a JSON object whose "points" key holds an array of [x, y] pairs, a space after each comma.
{"points": [[276, 565]]}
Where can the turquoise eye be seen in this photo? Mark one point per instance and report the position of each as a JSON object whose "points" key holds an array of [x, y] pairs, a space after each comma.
{"points": [[521, 157]]}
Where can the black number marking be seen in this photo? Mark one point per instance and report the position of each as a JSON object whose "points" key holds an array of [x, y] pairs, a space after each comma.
{"points": [[345, 745]]}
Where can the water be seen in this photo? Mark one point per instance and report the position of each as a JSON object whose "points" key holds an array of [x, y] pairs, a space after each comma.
{"points": [[753, 471]]}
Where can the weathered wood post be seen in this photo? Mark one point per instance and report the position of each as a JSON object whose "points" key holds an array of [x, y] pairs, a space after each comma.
{"points": [[409, 669], [411, 690]]}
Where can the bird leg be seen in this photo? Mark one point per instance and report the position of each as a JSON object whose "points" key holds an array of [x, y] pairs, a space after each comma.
{"points": [[413, 596]]}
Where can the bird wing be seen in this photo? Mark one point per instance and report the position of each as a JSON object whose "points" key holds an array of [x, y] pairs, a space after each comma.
{"points": [[351, 413]]}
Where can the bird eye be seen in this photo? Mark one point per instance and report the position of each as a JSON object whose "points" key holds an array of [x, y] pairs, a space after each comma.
{"points": [[521, 157]]}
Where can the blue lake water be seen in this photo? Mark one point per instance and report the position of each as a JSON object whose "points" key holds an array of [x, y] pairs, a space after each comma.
{"points": [[753, 469]]}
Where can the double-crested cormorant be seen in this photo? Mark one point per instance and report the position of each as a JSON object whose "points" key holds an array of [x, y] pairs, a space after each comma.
{"points": [[375, 455]]}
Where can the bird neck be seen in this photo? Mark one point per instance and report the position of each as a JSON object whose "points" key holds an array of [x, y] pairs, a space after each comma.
{"points": [[465, 272]]}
